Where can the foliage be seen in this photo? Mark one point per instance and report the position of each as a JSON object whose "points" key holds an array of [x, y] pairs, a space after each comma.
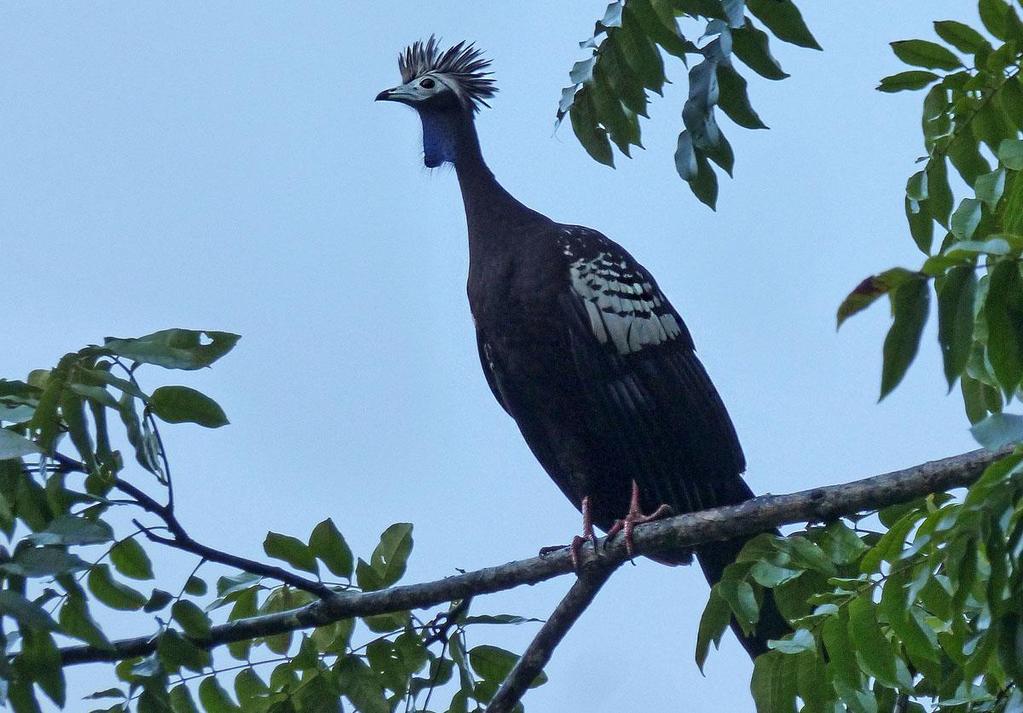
{"points": [[608, 93], [925, 609], [71, 562]]}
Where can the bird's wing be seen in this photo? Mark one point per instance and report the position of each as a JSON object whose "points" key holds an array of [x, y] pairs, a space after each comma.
{"points": [[490, 370], [648, 392]]}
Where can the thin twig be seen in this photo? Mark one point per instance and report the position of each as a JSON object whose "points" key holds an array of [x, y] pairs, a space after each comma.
{"points": [[539, 651], [681, 532], [442, 623], [181, 540]]}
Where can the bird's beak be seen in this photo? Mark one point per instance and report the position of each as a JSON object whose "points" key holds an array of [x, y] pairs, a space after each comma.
{"points": [[402, 94]]}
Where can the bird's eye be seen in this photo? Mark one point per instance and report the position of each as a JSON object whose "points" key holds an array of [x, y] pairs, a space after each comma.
{"points": [[427, 83]]}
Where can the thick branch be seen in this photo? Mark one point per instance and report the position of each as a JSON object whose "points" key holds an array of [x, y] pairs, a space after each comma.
{"points": [[547, 639], [680, 532]]}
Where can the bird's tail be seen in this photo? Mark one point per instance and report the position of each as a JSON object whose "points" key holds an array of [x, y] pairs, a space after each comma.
{"points": [[713, 558]]}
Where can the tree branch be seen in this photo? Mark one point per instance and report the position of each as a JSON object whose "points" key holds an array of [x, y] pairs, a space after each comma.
{"points": [[540, 649], [183, 541], [683, 531]]}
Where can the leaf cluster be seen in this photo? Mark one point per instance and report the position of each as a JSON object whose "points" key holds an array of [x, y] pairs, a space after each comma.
{"points": [[65, 568], [609, 89], [923, 612], [972, 121]]}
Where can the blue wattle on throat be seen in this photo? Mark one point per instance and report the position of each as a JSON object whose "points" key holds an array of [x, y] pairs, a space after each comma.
{"points": [[440, 141]]}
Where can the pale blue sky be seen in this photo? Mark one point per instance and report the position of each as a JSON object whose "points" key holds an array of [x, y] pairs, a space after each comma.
{"points": [[223, 166]]}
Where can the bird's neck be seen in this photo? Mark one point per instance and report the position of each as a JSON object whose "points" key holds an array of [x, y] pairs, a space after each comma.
{"points": [[451, 137]]}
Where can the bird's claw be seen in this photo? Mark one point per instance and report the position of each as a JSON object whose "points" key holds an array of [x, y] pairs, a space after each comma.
{"points": [[575, 549], [635, 517], [577, 545]]}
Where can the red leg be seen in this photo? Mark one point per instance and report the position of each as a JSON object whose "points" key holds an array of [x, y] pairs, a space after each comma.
{"points": [[635, 517], [579, 540]]}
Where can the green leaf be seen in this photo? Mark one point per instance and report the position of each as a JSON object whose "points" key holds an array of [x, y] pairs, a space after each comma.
{"points": [[969, 248], [842, 545], [250, 689], [46, 422], [921, 224], [22, 697], [195, 586], [1009, 101], [956, 295], [1010, 153], [136, 437], [72, 530], [990, 125], [772, 686], [869, 290], [214, 698], [798, 642], [910, 80], [96, 394], [175, 651], [43, 562], [27, 613], [107, 693], [14, 446], [921, 53], [995, 16], [751, 46], [328, 545], [872, 649], [966, 157], [705, 184], [640, 53], [292, 550], [783, 19], [111, 592], [963, 37], [130, 559], [391, 555], [662, 28], [1004, 312], [742, 599], [180, 404], [733, 98], [158, 600], [192, 619], [998, 430], [622, 126], [181, 700], [990, 186], [910, 302], [40, 656], [175, 348], [966, 218], [591, 136], [492, 663], [939, 195], [76, 621], [360, 685]]}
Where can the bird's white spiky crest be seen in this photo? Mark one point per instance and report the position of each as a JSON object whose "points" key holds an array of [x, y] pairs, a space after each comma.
{"points": [[463, 64]]}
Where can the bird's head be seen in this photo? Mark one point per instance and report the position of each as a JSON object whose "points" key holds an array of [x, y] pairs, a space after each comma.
{"points": [[446, 87]]}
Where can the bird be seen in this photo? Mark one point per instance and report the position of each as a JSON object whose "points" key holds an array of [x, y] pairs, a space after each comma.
{"points": [[578, 343]]}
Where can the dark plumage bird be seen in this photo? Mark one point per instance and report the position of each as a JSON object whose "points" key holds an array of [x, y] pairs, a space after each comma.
{"points": [[577, 342]]}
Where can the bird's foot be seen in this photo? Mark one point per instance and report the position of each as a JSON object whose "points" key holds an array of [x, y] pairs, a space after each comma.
{"points": [[635, 517], [579, 540]]}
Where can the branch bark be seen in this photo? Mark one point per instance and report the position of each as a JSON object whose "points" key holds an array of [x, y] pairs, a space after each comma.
{"points": [[540, 649], [683, 531]]}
